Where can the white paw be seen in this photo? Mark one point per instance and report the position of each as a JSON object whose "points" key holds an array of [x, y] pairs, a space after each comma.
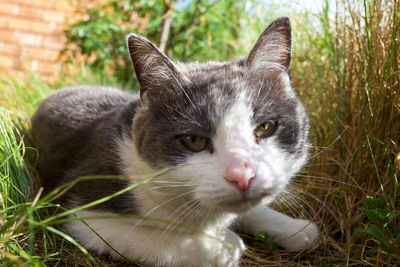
{"points": [[299, 234], [230, 251]]}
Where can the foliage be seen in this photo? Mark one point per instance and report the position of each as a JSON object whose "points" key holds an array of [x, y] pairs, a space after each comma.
{"points": [[200, 30], [263, 242], [15, 177], [384, 223]]}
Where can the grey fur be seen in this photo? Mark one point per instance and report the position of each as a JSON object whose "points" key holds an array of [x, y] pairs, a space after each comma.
{"points": [[75, 131]]}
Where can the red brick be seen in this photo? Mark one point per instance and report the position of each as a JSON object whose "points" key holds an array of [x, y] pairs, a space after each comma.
{"points": [[7, 35], [30, 2], [31, 12], [48, 68], [14, 23], [54, 16], [65, 5], [6, 61], [3, 22], [45, 3], [42, 54], [43, 27], [29, 39], [10, 49], [53, 42], [8, 8]]}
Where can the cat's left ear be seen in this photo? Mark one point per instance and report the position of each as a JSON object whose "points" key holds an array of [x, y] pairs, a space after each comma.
{"points": [[273, 47], [156, 73]]}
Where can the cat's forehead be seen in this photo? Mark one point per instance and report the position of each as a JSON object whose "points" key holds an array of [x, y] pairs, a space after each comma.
{"points": [[217, 87], [232, 79]]}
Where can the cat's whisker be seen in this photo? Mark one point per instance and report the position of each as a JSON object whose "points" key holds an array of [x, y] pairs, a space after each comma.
{"points": [[209, 208], [319, 185], [296, 188], [165, 181], [278, 201], [260, 87], [188, 211], [329, 145], [200, 206], [160, 205], [167, 186], [183, 90], [315, 213], [192, 209], [293, 197], [183, 115], [320, 164], [293, 205], [190, 204], [288, 207], [335, 181]]}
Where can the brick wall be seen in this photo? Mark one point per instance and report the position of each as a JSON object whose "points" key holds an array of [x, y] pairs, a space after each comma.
{"points": [[30, 34]]}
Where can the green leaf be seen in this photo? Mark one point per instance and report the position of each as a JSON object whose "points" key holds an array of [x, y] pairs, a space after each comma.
{"points": [[272, 246], [263, 236], [374, 231]]}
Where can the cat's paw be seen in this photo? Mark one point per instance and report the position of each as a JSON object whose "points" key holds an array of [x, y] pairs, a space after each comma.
{"points": [[299, 234], [229, 249]]}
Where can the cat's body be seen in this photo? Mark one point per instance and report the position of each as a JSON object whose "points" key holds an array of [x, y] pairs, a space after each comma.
{"points": [[203, 119]]}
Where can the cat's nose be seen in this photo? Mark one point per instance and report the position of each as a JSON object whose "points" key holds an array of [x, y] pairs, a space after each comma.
{"points": [[240, 173]]}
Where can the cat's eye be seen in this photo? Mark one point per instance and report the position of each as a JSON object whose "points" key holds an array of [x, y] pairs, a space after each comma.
{"points": [[266, 129], [195, 143]]}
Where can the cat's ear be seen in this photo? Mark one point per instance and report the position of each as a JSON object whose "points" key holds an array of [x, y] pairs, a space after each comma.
{"points": [[273, 47], [156, 73]]}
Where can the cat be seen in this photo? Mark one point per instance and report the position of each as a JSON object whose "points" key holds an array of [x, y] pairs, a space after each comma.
{"points": [[231, 133]]}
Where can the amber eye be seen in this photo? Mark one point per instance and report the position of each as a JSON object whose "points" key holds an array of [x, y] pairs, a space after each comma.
{"points": [[195, 143], [266, 129]]}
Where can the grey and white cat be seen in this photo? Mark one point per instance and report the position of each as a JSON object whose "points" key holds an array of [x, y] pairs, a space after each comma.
{"points": [[236, 131]]}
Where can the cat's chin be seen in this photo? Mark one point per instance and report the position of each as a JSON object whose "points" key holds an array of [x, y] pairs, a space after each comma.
{"points": [[240, 206], [247, 201]]}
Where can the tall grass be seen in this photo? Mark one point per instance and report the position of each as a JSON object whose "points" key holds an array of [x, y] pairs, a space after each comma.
{"points": [[24, 240], [348, 76]]}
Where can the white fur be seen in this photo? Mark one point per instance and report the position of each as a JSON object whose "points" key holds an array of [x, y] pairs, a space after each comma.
{"points": [[291, 234], [151, 247]]}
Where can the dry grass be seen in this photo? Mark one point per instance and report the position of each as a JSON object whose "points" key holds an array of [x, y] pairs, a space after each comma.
{"points": [[352, 93]]}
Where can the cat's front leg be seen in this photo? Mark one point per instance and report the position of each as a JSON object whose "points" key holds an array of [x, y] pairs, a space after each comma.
{"points": [[153, 245], [290, 233], [215, 248]]}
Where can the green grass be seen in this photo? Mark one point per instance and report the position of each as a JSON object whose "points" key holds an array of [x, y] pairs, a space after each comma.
{"points": [[346, 71]]}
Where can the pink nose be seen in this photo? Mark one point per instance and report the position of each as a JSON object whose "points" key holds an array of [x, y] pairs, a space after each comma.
{"points": [[240, 173]]}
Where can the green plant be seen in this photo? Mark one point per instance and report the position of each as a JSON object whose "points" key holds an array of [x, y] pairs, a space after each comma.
{"points": [[383, 223], [200, 30], [263, 242]]}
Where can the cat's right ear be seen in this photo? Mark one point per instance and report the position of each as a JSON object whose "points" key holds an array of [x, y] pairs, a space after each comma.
{"points": [[273, 47], [156, 73]]}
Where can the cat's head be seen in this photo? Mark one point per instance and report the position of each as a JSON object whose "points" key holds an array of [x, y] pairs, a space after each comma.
{"points": [[236, 127]]}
